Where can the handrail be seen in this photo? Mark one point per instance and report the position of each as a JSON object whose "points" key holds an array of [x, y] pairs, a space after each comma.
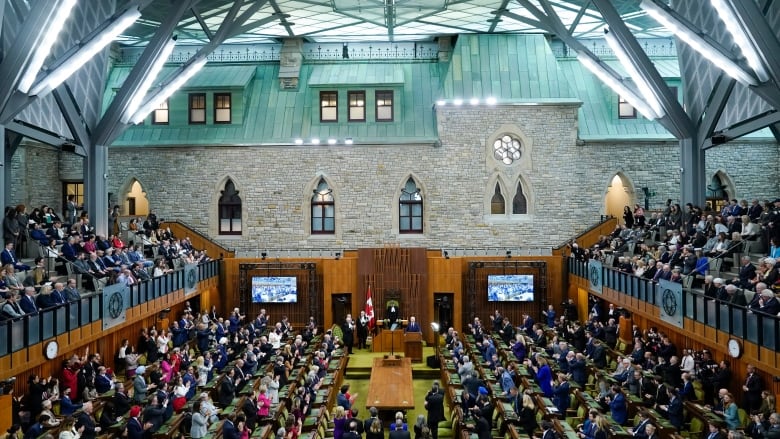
{"points": [[604, 219], [722, 255], [200, 235], [21, 332]]}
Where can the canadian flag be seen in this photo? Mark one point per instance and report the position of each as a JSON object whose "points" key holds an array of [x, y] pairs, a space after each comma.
{"points": [[370, 308]]}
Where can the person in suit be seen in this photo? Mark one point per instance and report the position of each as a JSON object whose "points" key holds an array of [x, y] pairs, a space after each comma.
{"points": [[481, 424], [374, 416], [413, 326], [547, 430], [27, 301], [134, 428], [752, 389], [348, 331], [651, 431], [674, 410], [640, 431], [768, 303], [434, 403], [344, 399], [773, 432], [154, 414], [352, 432], [617, 405], [67, 407], [714, 432], [8, 256], [561, 396], [362, 330], [399, 432], [85, 420], [229, 430], [227, 389]]}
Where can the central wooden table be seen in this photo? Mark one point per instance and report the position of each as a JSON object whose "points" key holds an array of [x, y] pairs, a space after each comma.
{"points": [[390, 387]]}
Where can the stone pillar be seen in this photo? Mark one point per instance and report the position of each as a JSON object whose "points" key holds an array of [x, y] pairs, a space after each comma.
{"points": [[96, 197]]}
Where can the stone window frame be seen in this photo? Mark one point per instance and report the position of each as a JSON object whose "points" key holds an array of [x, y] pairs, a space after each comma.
{"points": [[508, 177], [395, 202], [213, 216], [338, 215], [162, 114], [321, 202]]}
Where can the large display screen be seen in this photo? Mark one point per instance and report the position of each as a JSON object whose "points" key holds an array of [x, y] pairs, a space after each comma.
{"points": [[274, 289], [510, 288]]}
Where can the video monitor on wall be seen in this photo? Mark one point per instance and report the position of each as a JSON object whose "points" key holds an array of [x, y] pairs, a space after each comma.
{"points": [[274, 289], [510, 288]]}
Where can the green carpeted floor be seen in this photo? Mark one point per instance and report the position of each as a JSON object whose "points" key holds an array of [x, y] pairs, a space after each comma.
{"points": [[359, 373]]}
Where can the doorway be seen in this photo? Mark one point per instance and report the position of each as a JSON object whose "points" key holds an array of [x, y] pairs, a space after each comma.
{"points": [[620, 194], [136, 202], [442, 310], [341, 306]]}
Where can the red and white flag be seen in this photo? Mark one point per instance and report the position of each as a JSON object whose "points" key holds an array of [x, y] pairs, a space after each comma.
{"points": [[370, 308]]}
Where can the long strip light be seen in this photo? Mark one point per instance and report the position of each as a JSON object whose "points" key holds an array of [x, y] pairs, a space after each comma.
{"points": [[168, 89], [151, 75], [644, 88], [729, 18], [617, 86], [44, 48], [86, 52], [698, 43]]}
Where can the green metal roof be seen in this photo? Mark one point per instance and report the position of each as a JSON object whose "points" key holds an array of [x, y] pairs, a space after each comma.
{"points": [[210, 76], [507, 67], [367, 74], [598, 116]]}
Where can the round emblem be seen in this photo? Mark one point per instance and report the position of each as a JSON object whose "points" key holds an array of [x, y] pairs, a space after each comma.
{"points": [[595, 276], [192, 279], [116, 305], [669, 302]]}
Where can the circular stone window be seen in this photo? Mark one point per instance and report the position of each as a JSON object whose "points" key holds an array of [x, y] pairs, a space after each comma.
{"points": [[507, 149]]}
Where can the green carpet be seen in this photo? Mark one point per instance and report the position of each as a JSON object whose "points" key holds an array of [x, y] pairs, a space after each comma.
{"points": [[359, 372]]}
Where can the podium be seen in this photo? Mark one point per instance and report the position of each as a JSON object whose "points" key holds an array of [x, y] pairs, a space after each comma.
{"points": [[413, 346]]}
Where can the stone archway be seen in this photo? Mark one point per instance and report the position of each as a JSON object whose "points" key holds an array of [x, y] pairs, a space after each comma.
{"points": [[135, 202], [620, 193]]}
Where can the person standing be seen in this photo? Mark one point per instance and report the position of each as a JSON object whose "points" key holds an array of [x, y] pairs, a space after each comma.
{"points": [[348, 331], [413, 326], [434, 403], [362, 330], [752, 389]]}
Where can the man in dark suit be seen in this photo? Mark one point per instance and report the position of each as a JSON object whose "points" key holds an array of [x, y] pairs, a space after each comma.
{"points": [[154, 414], [120, 399], [674, 410], [752, 389], [434, 402], [747, 271], [640, 431], [399, 432], [773, 432], [8, 256], [714, 432], [27, 301], [348, 333], [85, 420], [227, 389], [135, 430], [352, 433], [392, 313], [768, 303], [413, 326], [229, 430], [561, 397], [547, 430]]}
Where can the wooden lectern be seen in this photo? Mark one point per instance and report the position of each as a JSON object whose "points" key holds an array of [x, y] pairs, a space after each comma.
{"points": [[413, 346]]}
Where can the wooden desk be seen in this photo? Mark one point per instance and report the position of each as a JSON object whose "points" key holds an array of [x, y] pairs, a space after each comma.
{"points": [[705, 414], [388, 340], [390, 387]]}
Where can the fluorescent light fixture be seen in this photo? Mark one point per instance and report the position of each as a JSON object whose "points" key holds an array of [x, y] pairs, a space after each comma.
{"points": [[616, 85], [474, 101], [348, 141], [458, 102], [729, 18], [331, 141], [299, 141], [644, 88], [315, 141], [86, 52], [441, 102], [44, 48], [151, 75], [697, 42], [168, 89], [491, 101]]}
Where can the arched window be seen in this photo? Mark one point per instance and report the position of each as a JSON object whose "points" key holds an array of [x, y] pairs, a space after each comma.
{"points": [[519, 202], [497, 203], [323, 210], [230, 210], [410, 209]]}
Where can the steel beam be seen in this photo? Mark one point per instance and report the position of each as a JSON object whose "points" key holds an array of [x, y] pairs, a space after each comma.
{"points": [[716, 103], [109, 124], [202, 24], [692, 177], [745, 127], [27, 40], [676, 120], [761, 35], [72, 114], [578, 18]]}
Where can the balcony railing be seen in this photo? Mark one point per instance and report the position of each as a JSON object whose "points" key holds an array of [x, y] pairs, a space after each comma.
{"points": [[739, 321], [22, 332]]}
